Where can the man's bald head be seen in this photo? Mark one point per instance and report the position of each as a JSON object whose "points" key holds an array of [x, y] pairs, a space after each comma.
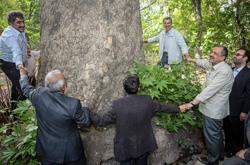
{"points": [[55, 81]]}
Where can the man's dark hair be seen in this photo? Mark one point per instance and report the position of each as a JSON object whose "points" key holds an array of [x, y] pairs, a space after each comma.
{"points": [[166, 18], [246, 54], [131, 84], [12, 15], [224, 52]]}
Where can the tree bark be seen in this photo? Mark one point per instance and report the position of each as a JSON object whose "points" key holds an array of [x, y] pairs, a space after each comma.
{"points": [[196, 6], [166, 9], [239, 16], [94, 43]]}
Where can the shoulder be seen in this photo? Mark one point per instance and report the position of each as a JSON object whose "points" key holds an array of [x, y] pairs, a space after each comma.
{"points": [[35, 53], [226, 68], [247, 70], [227, 71], [176, 31], [135, 97], [162, 32], [70, 99], [41, 90], [8, 33]]}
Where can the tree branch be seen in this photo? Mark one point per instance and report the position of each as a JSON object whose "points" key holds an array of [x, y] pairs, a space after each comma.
{"points": [[147, 6]]}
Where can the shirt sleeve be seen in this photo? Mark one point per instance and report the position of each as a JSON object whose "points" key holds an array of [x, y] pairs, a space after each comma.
{"points": [[181, 43], [246, 105], [27, 89], [204, 64], [219, 81], [81, 116], [15, 47], [154, 39], [159, 107], [108, 118]]}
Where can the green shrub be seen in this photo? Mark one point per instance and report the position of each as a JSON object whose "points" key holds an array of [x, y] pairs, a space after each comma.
{"points": [[18, 139], [173, 86]]}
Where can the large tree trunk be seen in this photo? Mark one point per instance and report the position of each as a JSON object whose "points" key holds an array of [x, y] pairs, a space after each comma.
{"points": [[94, 43]]}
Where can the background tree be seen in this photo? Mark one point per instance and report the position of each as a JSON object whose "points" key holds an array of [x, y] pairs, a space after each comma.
{"points": [[203, 23]]}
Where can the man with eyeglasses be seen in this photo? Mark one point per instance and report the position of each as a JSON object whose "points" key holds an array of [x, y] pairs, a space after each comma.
{"points": [[239, 102], [172, 44]]}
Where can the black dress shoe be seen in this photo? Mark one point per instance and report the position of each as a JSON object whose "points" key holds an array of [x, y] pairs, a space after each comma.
{"points": [[204, 160]]}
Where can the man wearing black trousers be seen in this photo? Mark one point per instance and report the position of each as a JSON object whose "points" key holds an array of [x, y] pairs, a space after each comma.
{"points": [[239, 102], [13, 47], [132, 116]]}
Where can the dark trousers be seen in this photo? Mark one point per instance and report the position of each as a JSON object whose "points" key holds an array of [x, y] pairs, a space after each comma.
{"points": [[81, 161], [13, 74], [141, 160], [234, 134], [164, 60], [212, 129]]}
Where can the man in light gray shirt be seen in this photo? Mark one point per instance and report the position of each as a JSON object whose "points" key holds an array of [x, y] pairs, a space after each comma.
{"points": [[172, 44], [214, 101], [13, 47]]}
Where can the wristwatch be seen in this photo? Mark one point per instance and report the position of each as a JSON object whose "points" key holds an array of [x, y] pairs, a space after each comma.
{"points": [[192, 103]]}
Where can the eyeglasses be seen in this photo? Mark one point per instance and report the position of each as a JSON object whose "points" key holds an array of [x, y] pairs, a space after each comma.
{"points": [[168, 23], [238, 54]]}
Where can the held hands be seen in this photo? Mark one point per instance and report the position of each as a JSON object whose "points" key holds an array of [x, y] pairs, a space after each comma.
{"points": [[23, 70], [188, 59], [185, 107]]}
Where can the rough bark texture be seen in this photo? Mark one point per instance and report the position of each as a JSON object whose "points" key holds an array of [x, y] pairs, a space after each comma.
{"points": [[94, 43]]}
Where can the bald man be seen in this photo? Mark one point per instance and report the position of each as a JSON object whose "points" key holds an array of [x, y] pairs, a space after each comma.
{"points": [[58, 139]]}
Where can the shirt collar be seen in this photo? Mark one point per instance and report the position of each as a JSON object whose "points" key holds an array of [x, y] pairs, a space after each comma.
{"points": [[218, 65], [169, 32], [239, 69], [131, 95], [16, 32]]}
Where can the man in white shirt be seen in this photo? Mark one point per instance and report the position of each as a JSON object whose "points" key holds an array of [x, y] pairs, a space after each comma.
{"points": [[214, 101], [172, 44], [30, 65]]}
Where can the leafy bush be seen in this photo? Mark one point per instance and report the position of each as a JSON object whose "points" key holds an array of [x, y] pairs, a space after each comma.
{"points": [[173, 86], [18, 138]]}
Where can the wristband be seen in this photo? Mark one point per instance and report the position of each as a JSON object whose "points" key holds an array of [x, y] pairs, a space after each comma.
{"points": [[192, 103]]}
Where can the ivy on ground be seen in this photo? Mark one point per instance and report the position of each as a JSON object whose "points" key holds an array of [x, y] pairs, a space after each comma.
{"points": [[18, 139]]}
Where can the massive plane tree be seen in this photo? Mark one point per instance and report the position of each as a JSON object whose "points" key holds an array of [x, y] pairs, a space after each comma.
{"points": [[94, 43]]}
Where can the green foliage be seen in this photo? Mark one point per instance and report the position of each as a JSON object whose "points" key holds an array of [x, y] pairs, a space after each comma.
{"points": [[222, 22], [172, 86], [18, 138]]}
